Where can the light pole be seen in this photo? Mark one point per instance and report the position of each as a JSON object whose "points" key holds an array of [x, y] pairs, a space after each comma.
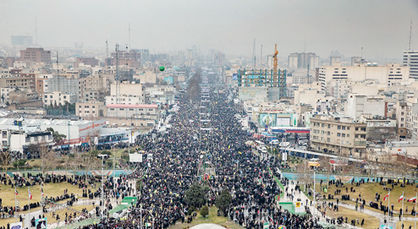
{"points": [[103, 157]]}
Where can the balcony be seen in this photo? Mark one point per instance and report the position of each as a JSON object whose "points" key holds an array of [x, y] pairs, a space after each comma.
{"points": [[360, 143]]}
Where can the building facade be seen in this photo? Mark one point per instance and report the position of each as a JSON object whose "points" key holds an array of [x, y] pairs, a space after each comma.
{"points": [[35, 55], [410, 58], [57, 98], [338, 135], [90, 110], [387, 75]]}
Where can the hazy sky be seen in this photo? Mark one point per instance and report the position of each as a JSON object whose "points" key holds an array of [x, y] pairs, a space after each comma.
{"points": [[380, 26]]}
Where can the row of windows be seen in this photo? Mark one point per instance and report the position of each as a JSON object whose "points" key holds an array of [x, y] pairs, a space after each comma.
{"points": [[131, 109]]}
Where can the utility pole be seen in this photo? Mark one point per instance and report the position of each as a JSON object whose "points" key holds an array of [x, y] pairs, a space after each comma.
{"points": [[117, 73], [107, 49], [102, 156], [129, 35], [254, 57]]}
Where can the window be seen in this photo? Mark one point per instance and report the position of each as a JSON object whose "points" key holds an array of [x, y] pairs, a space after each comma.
{"points": [[343, 127], [4, 143], [329, 126], [339, 127], [343, 135], [4, 134], [348, 128], [338, 134]]}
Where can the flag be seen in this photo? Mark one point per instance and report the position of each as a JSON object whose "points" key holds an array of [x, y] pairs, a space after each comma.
{"points": [[413, 199], [400, 198], [30, 194], [387, 195], [16, 192]]}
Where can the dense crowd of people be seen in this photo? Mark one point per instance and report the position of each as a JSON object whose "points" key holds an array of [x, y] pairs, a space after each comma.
{"points": [[183, 156]]}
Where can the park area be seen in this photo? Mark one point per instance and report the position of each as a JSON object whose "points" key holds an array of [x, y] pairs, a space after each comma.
{"points": [[51, 190]]}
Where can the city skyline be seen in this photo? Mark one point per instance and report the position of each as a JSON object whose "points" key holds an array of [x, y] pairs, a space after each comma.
{"points": [[163, 26]]}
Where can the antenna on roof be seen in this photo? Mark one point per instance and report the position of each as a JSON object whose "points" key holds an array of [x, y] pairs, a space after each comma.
{"points": [[129, 35]]}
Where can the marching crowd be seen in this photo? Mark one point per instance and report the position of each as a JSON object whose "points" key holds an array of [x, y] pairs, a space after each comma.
{"points": [[175, 160]]}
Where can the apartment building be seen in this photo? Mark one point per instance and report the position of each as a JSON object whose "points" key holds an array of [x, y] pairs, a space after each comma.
{"points": [[36, 55], [388, 75], [402, 110], [90, 110], [362, 105], [338, 135], [91, 61], [410, 58], [125, 93], [58, 98], [16, 79], [93, 88], [140, 115]]}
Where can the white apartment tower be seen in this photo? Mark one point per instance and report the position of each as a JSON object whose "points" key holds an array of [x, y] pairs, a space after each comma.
{"points": [[410, 58]]}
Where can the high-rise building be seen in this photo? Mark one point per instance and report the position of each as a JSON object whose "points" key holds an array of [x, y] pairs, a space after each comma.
{"points": [[21, 40], [410, 58], [387, 74], [36, 55], [303, 60]]}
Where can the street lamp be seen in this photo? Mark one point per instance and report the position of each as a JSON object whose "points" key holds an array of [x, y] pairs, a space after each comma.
{"points": [[103, 157]]}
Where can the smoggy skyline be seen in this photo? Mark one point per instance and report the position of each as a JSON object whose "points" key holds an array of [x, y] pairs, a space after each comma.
{"points": [[380, 26]]}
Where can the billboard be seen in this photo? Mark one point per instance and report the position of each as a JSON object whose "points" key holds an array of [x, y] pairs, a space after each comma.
{"points": [[283, 121], [135, 157], [267, 119]]}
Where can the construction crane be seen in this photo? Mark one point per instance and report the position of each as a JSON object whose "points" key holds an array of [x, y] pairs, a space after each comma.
{"points": [[275, 60]]}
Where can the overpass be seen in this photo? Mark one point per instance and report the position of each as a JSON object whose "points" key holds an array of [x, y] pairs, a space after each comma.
{"points": [[310, 154]]}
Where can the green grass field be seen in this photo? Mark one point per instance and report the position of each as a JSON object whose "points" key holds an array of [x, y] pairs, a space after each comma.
{"points": [[211, 218]]}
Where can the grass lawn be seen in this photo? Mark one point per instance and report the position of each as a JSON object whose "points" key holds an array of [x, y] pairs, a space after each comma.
{"points": [[369, 221], [211, 218], [369, 190], [70, 210], [50, 190]]}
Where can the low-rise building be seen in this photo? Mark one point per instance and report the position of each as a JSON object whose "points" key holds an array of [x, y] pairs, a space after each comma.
{"points": [[362, 105], [90, 110], [338, 135], [141, 115], [57, 98]]}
